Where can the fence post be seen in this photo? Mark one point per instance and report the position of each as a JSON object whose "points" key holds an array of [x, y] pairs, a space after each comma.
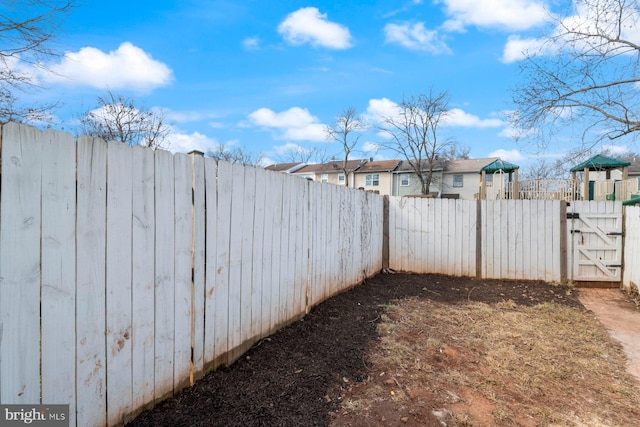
{"points": [[564, 276], [479, 239], [385, 233]]}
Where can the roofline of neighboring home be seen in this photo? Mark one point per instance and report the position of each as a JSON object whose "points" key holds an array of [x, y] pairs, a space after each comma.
{"points": [[398, 162]]}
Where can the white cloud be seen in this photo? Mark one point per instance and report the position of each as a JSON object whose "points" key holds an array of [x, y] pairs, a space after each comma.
{"points": [[415, 37], [183, 143], [128, 67], [458, 117], [508, 155], [518, 48], [295, 124], [251, 43], [507, 14], [615, 150], [308, 25], [188, 116], [379, 109], [370, 146]]}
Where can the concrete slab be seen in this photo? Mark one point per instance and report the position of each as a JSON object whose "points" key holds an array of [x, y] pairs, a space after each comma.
{"points": [[620, 316]]}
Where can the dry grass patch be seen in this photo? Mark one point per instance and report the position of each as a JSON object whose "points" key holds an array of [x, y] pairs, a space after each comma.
{"points": [[501, 364]]}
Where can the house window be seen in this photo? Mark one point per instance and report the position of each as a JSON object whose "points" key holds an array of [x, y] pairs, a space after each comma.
{"points": [[324, 177], [488, 179], [404, 180], [341, 179], [457, 180], [372, 180]]}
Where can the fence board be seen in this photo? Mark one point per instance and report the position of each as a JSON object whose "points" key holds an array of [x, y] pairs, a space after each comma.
{"points": [[631, 274], [20, 265], [198, 262], [275, 224], [58, 298], [258, 271], [165, 274], [118, 291], [90, 279], [142, 276], [247, 236], [211, 265], [236, 260], [223, 261], [183, 262]]}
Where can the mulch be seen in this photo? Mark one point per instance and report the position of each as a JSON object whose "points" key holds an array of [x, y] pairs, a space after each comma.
{"points": [[295, 376]]}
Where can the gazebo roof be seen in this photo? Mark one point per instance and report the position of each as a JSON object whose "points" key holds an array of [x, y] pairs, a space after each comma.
{"points": [[499, 165], [600, 162]]}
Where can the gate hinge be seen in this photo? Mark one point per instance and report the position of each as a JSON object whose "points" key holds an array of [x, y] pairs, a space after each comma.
{"points": [[575, 231], [573, 215], [616, 233], [615, 265]]}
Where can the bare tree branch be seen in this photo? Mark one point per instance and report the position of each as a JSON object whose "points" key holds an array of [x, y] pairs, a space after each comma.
{"points": [[585, 75], [414, 134], [346, 131], [117, 118]]}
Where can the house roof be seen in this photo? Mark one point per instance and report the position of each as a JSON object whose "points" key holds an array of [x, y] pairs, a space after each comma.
{"points": [[500, 165], [470, 165], [405, 167], [600, 162], [379, 166], [283, 167], [334, 166]]}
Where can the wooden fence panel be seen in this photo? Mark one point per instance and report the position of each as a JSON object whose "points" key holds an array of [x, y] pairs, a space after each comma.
{"points": [[631, 275], [154, 267], [198, 240], [91, 385], [223, 262], [183, 264], [20, 265], [212, 291], [142, 277], [235, 260], [118, 282], [165, 274], [58, 297], [258, 271]]}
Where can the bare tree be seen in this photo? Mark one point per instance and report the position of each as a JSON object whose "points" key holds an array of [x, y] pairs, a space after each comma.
{"points": [[297, 154], [235, 154], [117, 118], [584, 75], [413, 133], [346, 131], [27, 30]]}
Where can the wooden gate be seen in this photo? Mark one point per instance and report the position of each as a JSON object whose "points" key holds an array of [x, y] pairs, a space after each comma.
{"points": [[595, 242]]}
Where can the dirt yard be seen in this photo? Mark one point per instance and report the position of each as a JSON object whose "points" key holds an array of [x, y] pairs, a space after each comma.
{"points": [[423, 350]]}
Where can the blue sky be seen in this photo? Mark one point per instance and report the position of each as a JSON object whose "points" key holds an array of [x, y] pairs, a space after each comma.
{"points": [[269, 75]]}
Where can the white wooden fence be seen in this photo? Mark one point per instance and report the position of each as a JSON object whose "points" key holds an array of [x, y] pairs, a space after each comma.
{"points": [[504, 239], [631, 272], [126, 273]]}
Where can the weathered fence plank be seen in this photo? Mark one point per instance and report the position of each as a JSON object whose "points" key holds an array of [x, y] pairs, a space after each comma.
{"points": [[198, 231], [20, 265], [142, 277], [183, 273], [58, 295], [211, 264], [165, 274], [91, 384], [631, 276], [118, 282]]}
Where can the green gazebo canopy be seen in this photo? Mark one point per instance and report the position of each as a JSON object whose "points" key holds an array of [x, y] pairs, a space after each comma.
{"points": [[600, 162], [499, 165]]}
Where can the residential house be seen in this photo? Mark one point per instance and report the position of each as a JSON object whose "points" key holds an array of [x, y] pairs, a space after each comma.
{"points": [[286, 167], [405, 182], [461, 178], [376, 176], [331, 172]]}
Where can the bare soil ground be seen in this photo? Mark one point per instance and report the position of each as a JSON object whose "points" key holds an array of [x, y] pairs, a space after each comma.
{"points": [[423, 350]]}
